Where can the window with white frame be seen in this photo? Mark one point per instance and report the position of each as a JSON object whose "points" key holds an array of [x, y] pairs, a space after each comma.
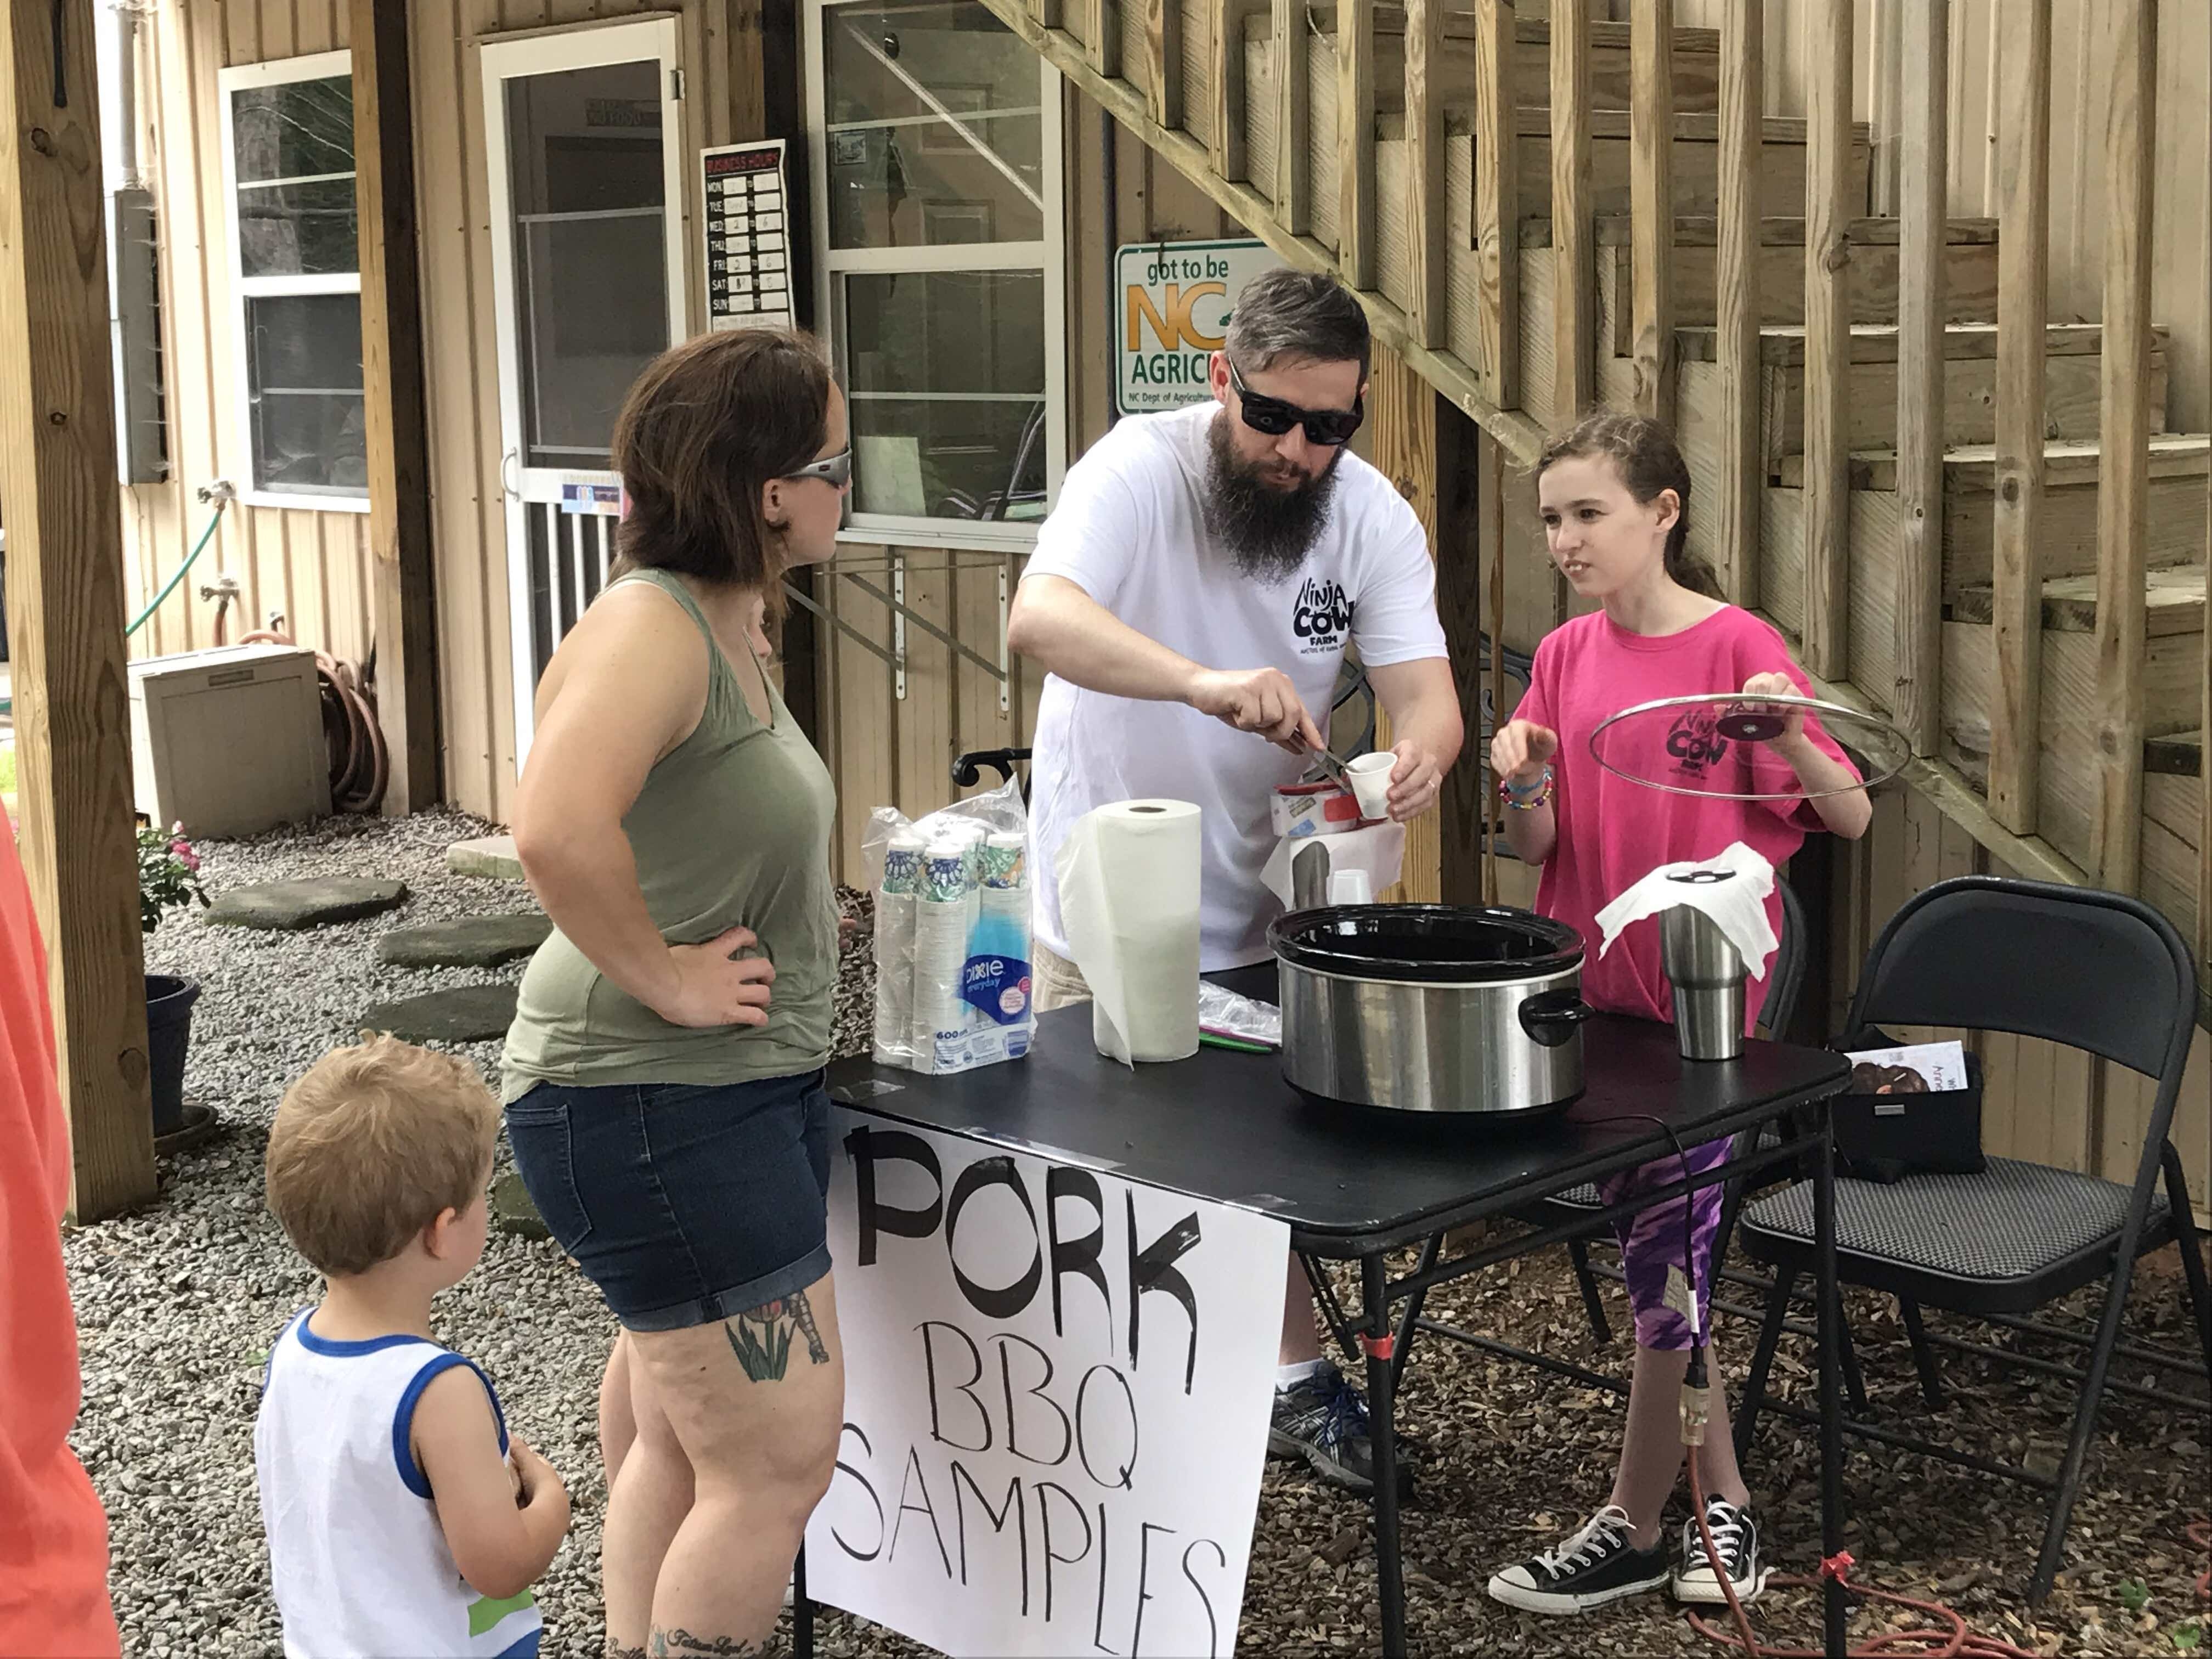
{"points": [[938, 247], [288, 171]]}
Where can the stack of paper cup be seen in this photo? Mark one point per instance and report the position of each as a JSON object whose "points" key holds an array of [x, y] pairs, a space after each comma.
{"points": [[940, 947], [1002, 928], [896, 901]]}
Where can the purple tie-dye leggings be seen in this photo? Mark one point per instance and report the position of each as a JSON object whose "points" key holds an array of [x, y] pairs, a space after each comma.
{"points": [[1651, 1242]]}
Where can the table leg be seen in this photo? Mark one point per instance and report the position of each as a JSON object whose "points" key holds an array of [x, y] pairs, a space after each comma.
{"points": [[1834, 1606], [802, 1610], [1382, 1380]]}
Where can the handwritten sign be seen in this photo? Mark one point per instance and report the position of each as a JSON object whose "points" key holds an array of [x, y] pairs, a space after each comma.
{"points": [[1056, 1400], [1172, 302]]}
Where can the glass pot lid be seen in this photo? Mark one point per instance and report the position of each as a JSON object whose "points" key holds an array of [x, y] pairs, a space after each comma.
{"points": [[1725, 745]]}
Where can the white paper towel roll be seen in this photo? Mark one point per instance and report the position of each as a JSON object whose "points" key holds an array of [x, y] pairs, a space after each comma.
{"points": [[1128, 898]]}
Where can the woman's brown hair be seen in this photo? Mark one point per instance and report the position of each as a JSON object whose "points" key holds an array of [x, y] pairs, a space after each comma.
{"points": [[707, 426], [1645, 454]]}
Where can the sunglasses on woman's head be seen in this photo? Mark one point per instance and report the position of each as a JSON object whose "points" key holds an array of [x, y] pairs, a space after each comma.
{"points": [[834, 469], [1327, 427]]}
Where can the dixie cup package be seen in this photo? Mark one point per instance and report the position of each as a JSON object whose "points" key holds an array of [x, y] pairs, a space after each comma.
{"points": [[954, 987]]}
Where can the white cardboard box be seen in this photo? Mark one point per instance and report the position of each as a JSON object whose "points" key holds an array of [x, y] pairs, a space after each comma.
{"points": [[229, 742]]}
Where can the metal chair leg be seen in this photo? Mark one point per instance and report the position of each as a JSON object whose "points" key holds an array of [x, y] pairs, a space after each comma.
{"points": [[2085, 1419], [1762, 1359], [1593, 1304], [1923, 1357], [1847, 1351], [2186, 1238]]}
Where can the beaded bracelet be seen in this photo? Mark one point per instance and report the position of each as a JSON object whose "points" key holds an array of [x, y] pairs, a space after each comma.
{"points": [[1527, 800]]}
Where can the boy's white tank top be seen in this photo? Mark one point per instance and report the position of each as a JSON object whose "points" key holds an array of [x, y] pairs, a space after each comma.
{"points": [[360, 1564]]}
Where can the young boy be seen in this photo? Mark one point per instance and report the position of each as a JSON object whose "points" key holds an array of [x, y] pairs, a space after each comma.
{"points": [[401, 1518]]}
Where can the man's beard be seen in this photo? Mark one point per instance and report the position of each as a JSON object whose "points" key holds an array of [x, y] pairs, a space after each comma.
{"points": [[1267, 530]]}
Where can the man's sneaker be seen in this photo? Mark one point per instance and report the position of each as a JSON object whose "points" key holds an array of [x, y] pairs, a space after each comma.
{"points": [[1736, 1537], [1321, 1419], [1589, 1568]]}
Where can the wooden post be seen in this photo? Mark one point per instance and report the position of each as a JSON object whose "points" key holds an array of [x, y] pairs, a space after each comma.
{"points": [[1293, 116], [1743, 471], [1226, 19], [1459, 606], [2124, 430], [2023, 314], [1402, 420], [2205, 718], [65, 597], [1163, 60], [1828, 339], [1924, 180], [1574, 271], [1355, 142], [1497, 202], [1046, 12], [1651, 202], [1425, 167], [1101, 40], [404, 614], [1492, 506]]}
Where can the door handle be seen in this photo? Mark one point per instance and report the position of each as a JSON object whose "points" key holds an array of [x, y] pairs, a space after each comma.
{"points": [[506, 462]]}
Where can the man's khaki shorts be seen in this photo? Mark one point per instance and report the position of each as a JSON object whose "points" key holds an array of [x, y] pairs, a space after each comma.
{"points": [[1058, 980]]}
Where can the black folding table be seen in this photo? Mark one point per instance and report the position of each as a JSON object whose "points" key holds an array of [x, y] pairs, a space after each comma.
{"points": [[1355, 1183]]}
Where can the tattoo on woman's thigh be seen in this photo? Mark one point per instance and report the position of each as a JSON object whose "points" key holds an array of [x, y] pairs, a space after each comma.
{"points": [[760, 1337]]}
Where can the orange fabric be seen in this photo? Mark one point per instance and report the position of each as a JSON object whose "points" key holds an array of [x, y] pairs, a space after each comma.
{"points": [[53, 1534]]}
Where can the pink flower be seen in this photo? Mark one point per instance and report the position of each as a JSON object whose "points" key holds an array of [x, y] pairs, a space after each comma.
{"points": [[185, 856]]}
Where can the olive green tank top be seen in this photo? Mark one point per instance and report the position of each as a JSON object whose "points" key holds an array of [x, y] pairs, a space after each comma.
{"points": [[732, 827]]}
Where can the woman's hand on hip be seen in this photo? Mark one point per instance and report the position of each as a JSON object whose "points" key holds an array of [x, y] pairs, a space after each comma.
{"points": [[1521, 749], [712, 986]]}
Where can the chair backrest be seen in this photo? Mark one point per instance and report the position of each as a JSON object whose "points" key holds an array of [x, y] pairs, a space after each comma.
{"points": [[2093, 970], [1785, 975]]}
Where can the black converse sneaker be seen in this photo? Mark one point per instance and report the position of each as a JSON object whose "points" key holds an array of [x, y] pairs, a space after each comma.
{"points": [[1322, 1420], [1736, 1537], [1594, 1566]]}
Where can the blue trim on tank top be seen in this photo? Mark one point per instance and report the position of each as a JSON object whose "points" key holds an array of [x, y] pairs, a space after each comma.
{"points": [[403, 1417]]}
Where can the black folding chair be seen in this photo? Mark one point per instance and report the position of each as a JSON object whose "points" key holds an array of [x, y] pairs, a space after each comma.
{"points": [[2094, 972], [1785, 981]]}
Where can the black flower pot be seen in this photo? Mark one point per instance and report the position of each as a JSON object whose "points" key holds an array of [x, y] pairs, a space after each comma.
{"points": [[168, 1033]]}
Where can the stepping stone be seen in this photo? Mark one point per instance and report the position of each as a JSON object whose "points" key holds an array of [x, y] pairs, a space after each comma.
{"points": [[478, 942], [487, 856], [469, 1014], [512, 1211], [288, 905]]}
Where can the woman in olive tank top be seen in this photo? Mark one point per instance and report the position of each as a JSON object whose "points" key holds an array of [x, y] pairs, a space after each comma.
{"points": [[663, 1076]]}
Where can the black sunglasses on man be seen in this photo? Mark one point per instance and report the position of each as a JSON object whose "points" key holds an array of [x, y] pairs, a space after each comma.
{"points": [[1327, 427]]}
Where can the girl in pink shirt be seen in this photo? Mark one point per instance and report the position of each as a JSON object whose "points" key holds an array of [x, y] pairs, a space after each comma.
{"points": [[1615, 497]]}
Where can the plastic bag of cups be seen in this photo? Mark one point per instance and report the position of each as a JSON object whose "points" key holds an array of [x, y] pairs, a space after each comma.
{"points": [[954, 986]]}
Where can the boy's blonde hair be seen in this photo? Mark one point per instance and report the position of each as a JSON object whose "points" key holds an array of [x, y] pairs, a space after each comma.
{"points": [[371, 1145]]}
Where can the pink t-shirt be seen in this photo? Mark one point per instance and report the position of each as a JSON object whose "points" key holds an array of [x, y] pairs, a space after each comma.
{"points": [[1612, 832]]}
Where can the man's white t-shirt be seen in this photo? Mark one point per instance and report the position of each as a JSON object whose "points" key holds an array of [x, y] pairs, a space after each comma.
{"points": [[1130, 530]]}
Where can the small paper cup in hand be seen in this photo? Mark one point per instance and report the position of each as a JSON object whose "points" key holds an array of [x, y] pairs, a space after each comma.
{"points": [[1370, 782]]}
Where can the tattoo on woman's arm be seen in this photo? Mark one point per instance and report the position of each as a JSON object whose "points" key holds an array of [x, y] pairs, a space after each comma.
{"points": [[760, 1337]]}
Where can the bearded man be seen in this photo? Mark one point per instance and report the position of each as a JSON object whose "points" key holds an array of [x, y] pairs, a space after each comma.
{"points": [[1191, 597]]}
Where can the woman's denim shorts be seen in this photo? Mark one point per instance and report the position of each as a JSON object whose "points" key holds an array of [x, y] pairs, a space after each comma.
{"points": [[683, 1203]]}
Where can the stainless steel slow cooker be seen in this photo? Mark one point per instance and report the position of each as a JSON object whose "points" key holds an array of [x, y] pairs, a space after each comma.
{"points": [[1431, 1008]]}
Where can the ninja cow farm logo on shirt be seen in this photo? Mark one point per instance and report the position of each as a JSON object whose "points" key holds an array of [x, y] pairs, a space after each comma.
{"points": [[1695, 742], [1320, 615]]}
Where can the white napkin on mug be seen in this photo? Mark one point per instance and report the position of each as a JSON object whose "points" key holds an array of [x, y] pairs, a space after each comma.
{"points": [[1731, 889], [1379, 850]]}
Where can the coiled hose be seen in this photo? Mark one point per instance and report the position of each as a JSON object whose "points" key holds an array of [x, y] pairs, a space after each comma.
{"points": [[361, 766]]}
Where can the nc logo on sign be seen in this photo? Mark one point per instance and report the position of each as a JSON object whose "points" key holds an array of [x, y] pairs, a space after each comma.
{"points": [[1173, 314]]}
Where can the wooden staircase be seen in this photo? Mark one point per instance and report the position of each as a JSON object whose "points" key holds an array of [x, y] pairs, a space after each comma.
{"points": [[1537, 219]]}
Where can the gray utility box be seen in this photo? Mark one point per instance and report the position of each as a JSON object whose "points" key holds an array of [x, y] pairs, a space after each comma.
{"points": [[229, 742]]}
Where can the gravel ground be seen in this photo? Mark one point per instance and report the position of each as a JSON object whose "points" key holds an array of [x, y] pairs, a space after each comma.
{"points": [[177, 1306]]}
